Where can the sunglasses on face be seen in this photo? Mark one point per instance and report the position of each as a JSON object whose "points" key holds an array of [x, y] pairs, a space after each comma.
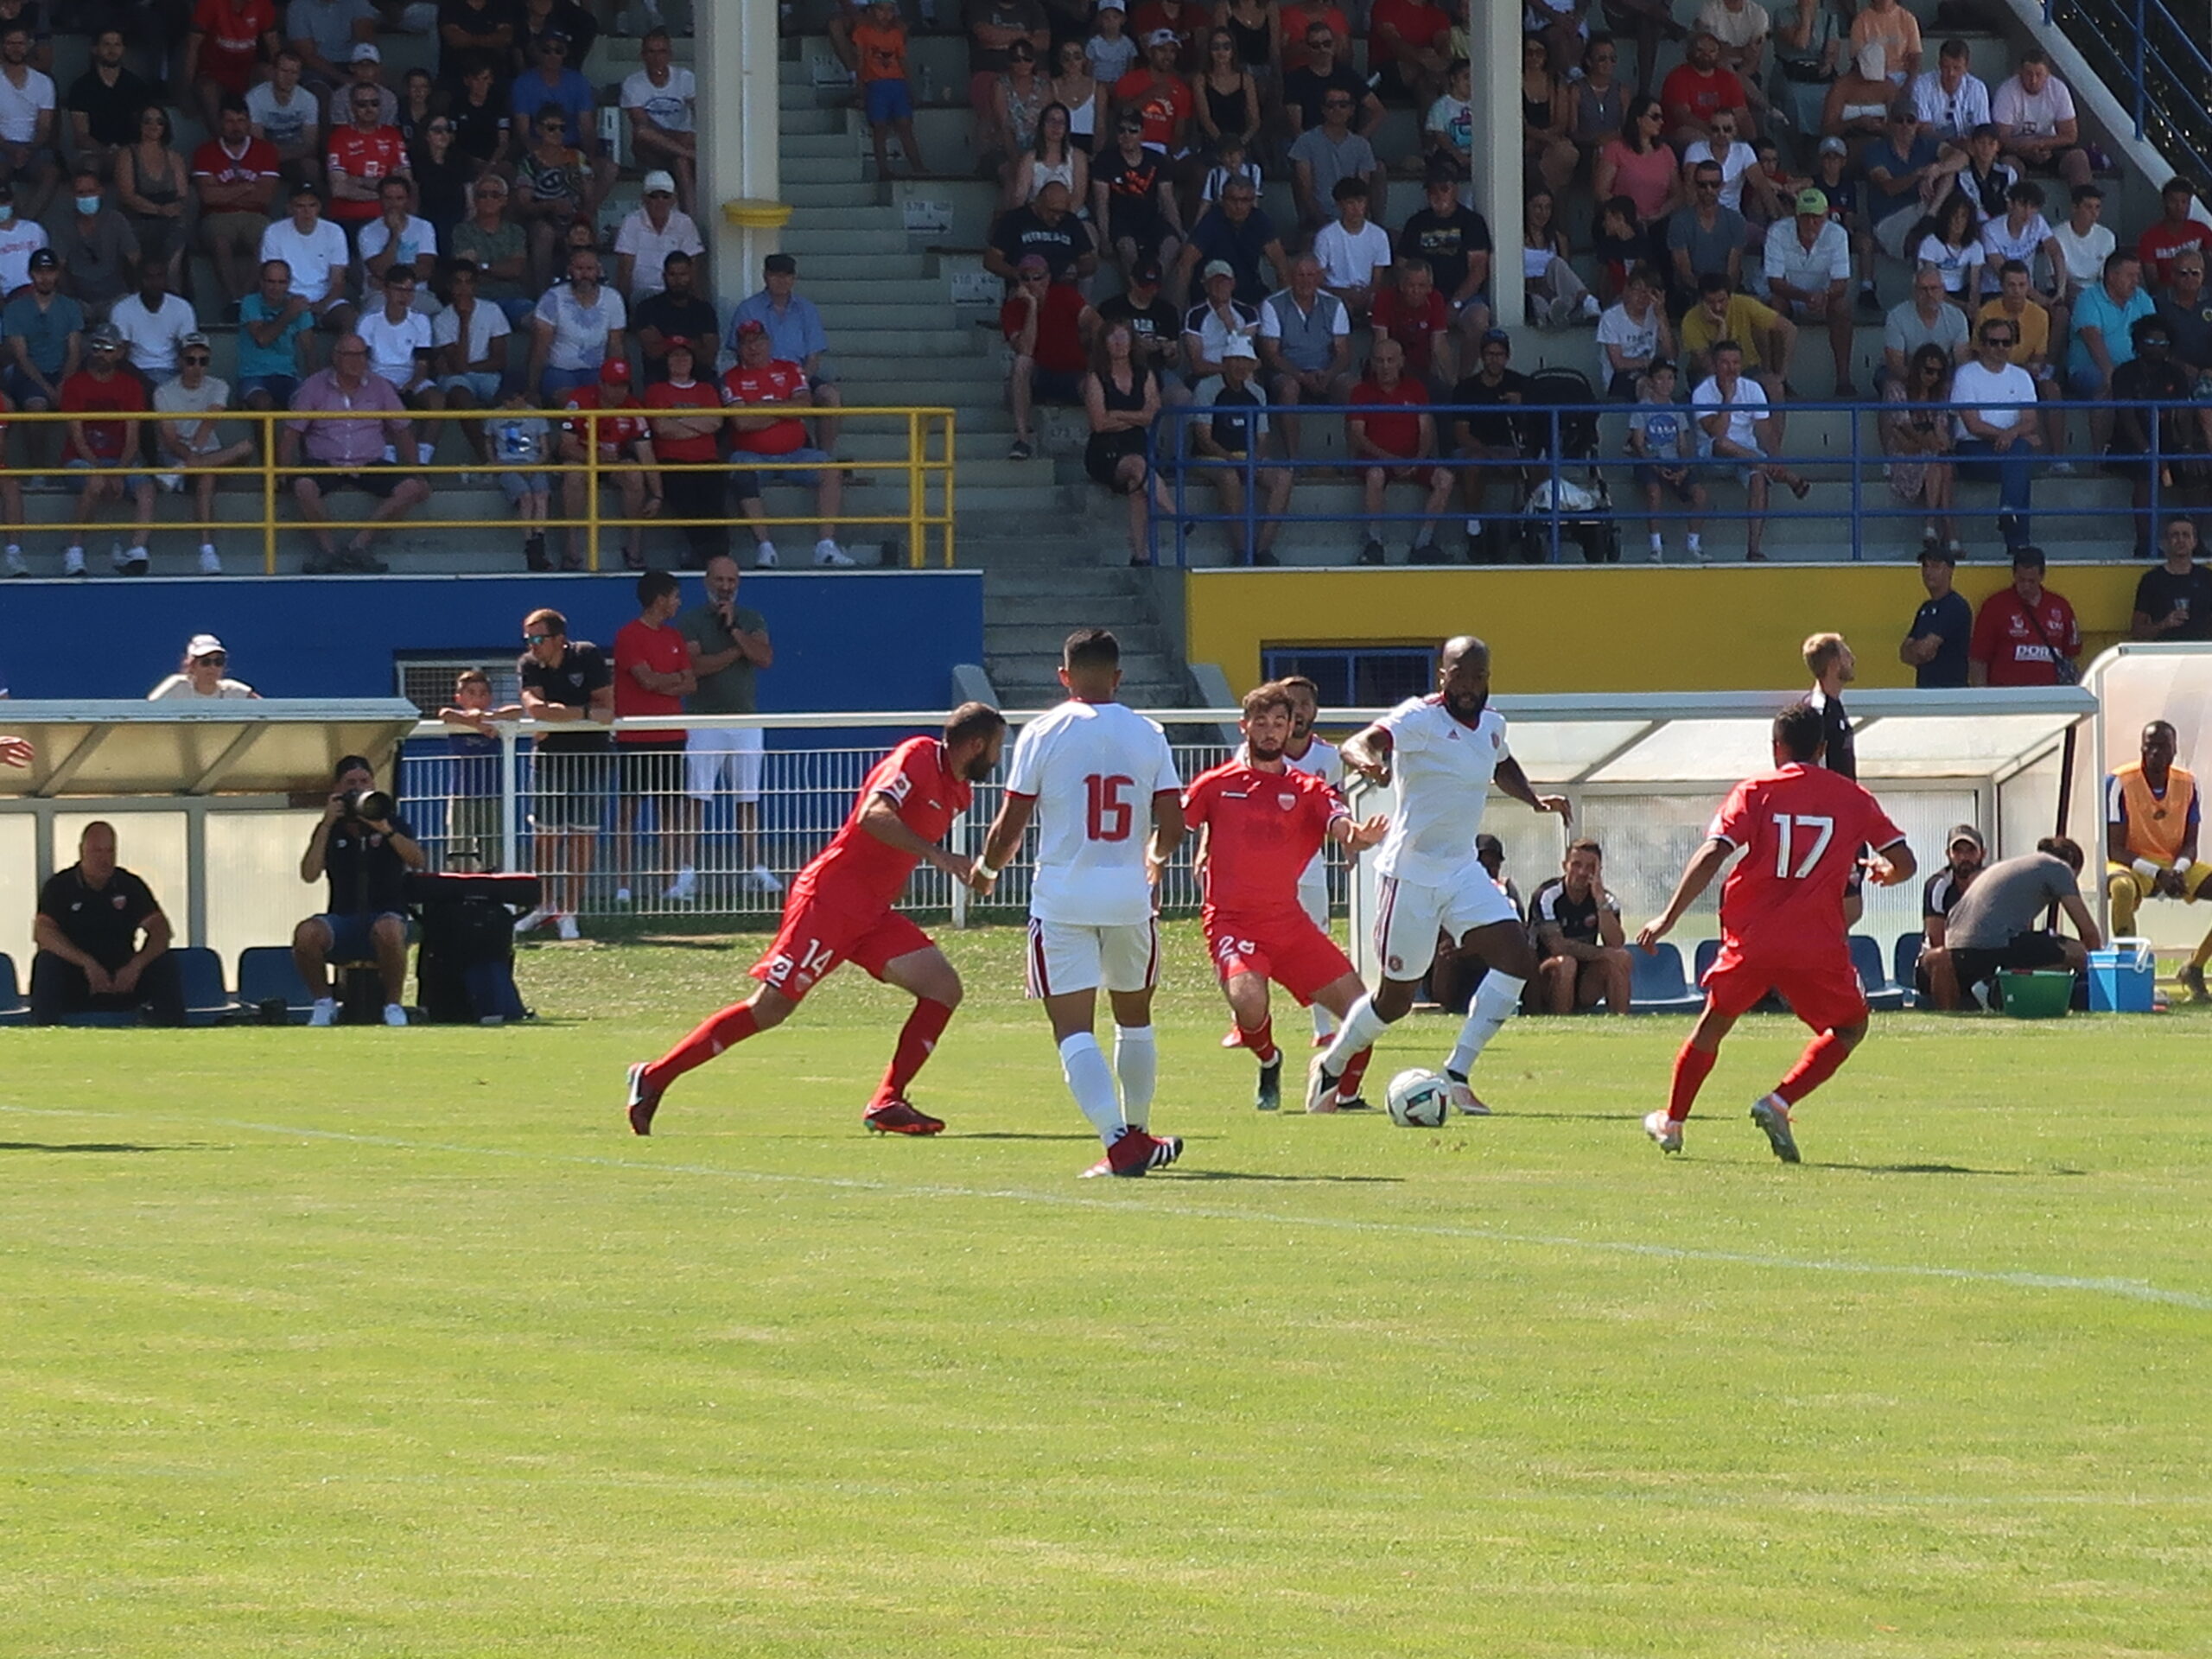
{"points": [[214, 659], [200, 357], [536, 639]]}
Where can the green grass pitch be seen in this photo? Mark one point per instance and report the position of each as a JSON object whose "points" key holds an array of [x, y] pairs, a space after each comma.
{"points": [[396, 1344]]}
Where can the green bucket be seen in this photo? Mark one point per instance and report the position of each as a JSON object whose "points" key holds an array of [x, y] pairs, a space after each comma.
{"points": [[2037, 996]]}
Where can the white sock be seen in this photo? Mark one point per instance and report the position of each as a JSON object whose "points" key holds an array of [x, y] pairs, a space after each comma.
{"points": [[1091, 1080], [1361, 1027], [1136, 1064], [1498, 999], [1324, 1023], [1658, 542], [424, 448], [1696, 541]]}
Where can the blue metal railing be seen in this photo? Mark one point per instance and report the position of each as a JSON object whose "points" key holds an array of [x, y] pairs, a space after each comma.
{"points": [[1547, 514], [2153, 58]]}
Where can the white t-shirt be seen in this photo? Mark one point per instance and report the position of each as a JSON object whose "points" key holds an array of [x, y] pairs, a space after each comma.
{"points": [[153, 336], [174, 397], [1443, 770], [310, 257], [1092, 769], [651, 248], [1953, 114], [21, 106], [1960, 267], [578, 332], [2003, 398], [1455, 119], [1735, 27], [415, 239], [177, 687], [2037, 117], [20, 238], [393, 345], [1349, 257], [1616, 328], [485, 324], [2084, 256], [284, 123], [1998, 245], [1740, 159], [667, 107], [1745, 408]]}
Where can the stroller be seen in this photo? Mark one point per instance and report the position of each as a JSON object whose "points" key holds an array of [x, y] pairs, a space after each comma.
{"points": [[1585, 504]]}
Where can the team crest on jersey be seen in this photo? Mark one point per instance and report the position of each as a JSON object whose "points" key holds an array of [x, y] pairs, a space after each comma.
{"points": [[116, 901], [1286, 800]]}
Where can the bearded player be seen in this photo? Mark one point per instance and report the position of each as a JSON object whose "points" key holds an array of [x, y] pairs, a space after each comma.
{"points": [[839, 909], [1448, 749], [1800, 828], [1266, 822]]}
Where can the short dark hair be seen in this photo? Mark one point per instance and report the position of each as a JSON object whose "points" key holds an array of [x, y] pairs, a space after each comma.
{"points": [[657, 585], [972, 719], [546, 619], [2064, 849], [232, 105], [351, 763], [1273, 694], [1800, 730], [1713, 282], [1351, 188], [1091, 648], [1585, 845]]}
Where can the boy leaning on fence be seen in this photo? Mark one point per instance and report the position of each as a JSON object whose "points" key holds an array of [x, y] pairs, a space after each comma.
{"points": [[472, 774]]}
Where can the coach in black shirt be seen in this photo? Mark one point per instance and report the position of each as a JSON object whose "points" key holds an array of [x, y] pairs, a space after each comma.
{"points": [[365, 853], [1936, 648], [565, 683], [90, 958]]}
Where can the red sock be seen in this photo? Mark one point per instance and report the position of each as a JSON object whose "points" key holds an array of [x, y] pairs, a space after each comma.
{"points": [[1692, 1067], [1262, 1040], [725, 1030], [1355, 1069], [916, 1039], [1814, 1067]]}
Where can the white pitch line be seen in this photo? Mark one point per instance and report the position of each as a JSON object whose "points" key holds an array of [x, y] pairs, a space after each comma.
{"points": [[2126, 1289]]}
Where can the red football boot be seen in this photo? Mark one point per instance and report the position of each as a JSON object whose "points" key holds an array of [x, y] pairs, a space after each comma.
{"points": [[1134, 1152], [899, 1117]]}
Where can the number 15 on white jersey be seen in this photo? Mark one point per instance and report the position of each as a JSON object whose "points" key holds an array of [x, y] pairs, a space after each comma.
{"points": [[1092, 769]]}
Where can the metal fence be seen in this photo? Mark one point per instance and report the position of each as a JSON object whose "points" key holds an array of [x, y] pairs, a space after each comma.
{"points": [[2152, 56]]}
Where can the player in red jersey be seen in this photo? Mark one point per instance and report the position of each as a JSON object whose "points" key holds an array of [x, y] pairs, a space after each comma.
{"points": [[840, 908], [1800, 828], [1264, 822]]}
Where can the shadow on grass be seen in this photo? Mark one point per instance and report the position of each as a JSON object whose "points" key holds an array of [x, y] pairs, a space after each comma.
{"points": [[88, 1146], [1183, 1174], [1017, 1134], [1941, 1169]]}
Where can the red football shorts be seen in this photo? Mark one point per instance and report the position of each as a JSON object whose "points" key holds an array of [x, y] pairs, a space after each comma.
{"points": [[1289, 950], [1822, 987], [819, 932]]}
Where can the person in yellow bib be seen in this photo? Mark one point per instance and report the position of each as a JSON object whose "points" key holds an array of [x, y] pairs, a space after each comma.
{"points": [[2151, 815]]}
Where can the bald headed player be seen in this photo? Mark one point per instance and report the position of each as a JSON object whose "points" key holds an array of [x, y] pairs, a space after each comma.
{"points": [[1446, 751], [840, 908]]}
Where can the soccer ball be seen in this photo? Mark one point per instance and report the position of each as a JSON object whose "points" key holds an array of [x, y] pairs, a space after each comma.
{"points": [[1419, 1099]]}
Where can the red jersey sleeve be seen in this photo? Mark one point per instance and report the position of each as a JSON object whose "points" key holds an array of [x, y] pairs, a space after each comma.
{"points": [[1877, 828], [894, 777], [1738, 818], [1198, 800]]}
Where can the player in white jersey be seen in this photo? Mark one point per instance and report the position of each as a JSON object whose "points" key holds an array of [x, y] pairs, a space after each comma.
{"points": [[1449, 748], [1100, 781]]}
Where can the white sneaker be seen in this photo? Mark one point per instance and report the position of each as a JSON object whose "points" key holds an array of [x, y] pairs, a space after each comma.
{"points": [[394, 1014], [1464, 1099], [1658, 553], [1698, 552], [566, 927], [536, 919], [621, 895], [765, 879], [1474, 528], [14, 562], [1320, 1089], [826, 552], [1590, 311], [73, 562], [1663, 1130], [211, 562], [763, 556], [131, 560], [686, 886], [325, 1012]]}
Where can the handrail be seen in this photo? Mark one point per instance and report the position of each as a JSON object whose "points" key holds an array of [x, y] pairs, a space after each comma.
{"points": [[927, 466], [1858, 465], [2150, 56]]}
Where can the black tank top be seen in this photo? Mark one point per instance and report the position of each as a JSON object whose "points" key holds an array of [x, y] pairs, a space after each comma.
{"points": [[1119, 402], [1226, 108], [1251, 40]]}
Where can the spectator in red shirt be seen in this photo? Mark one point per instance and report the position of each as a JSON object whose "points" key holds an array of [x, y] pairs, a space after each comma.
{"points": [[1698, 89], [762, 378], [1406, 50], [1414, 314], [2176, 231], [1188, 23], [236, 175], [689, 434], [1400, 430], [622, 436], [101, 387], [1041, 320], [363, 153], [652, 675], [2023, 633], [228, 39], [1157, 93]]}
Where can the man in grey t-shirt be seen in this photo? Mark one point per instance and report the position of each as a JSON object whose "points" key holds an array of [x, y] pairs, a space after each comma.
{"points": [[729, 646], [1998, 922]]}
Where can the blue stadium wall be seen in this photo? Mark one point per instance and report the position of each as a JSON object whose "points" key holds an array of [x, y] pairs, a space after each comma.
{"points": [[858, 640]]}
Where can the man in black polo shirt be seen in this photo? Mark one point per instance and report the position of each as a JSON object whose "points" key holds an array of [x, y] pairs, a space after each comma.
{"points": [[1936, 647], [1964, 854], [565, 682], [90, 959], [104, 103], [364, 850], [1492, 438], [1582, 948]]}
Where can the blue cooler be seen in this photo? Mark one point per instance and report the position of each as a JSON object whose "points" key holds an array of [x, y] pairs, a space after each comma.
{"points": [[2124, 979]]}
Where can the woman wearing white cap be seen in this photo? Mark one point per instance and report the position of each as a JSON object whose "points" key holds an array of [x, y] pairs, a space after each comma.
{"points": [[201, 676]]}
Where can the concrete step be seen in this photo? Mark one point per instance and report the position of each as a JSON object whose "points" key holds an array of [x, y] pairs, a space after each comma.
{"points": [[945, 341], [1040, 668], [839, 142], [827, 241], [890, 271], [811, 120], [842, 167], [840, 315], [842, 197]]}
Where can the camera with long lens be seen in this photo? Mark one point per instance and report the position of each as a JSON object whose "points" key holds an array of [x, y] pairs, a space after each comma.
{"points": [[367, 806]]}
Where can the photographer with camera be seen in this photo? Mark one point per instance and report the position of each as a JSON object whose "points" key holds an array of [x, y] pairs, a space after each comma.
{"points": [[365, 848]]}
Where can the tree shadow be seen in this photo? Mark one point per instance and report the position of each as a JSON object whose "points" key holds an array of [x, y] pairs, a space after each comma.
{"points": [[88, 1146]]}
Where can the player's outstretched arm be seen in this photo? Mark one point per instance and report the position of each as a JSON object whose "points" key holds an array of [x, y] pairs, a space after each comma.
{"points": [[1515, 782], [879, 818], [1697, 876], [1368, 754], [1355, 837]]}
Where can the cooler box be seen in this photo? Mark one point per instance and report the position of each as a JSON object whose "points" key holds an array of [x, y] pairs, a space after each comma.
{"points": [[2124, 979]]}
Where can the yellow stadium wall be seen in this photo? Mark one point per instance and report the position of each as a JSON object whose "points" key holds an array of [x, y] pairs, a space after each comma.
{"points": [[1618, 628]]}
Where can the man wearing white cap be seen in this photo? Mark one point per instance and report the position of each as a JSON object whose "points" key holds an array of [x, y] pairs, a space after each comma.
{"points": [[201, 679], [1226, 426], [659, 101], [649, 235]]}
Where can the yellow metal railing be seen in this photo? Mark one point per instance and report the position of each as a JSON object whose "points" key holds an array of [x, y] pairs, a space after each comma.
{"points": [[927, 468]]}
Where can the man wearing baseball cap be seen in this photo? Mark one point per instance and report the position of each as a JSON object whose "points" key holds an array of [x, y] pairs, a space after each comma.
{"points": [[795, 335], [202, 677], [104, 387], [41, 333], [762, 381], [649, 235], [1162, 98], [1808, 277]]}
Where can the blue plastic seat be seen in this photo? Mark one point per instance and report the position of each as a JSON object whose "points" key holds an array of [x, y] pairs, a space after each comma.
{"points": [[1905, 960], [1866, 956], [14, 1011], [1702, 959], [266, 971], [200, 972], [1656, 982]]}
